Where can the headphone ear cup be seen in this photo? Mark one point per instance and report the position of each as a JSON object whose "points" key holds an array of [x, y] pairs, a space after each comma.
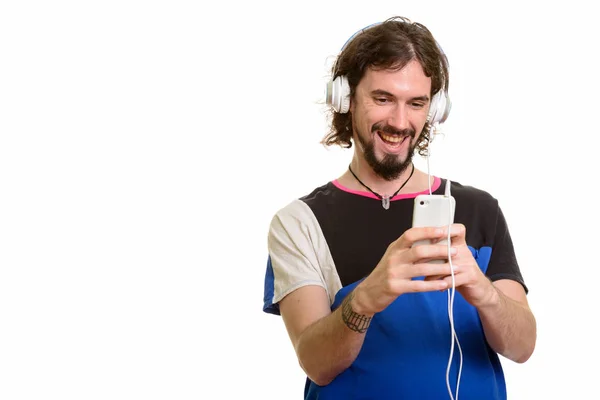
{"points": [[439, 108], [337, 94]]}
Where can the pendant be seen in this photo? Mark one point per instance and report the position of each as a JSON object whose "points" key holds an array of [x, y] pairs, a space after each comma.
{"points": [[385, 202]]}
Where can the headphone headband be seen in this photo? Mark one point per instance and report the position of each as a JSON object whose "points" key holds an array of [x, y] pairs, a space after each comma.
{"points": [[337, 92]]}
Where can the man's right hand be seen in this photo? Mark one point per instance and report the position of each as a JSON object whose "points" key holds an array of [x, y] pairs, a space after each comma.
{"points": [[393, 275]]}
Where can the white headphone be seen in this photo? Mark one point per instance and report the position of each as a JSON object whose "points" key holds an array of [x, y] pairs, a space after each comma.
{"points": [[337, 95]]}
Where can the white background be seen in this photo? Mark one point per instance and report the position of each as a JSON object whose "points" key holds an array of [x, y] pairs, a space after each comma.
{"points": [[145, 146]]}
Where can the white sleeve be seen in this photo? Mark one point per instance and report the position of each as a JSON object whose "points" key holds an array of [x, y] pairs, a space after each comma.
{"points": [[298, 255]]}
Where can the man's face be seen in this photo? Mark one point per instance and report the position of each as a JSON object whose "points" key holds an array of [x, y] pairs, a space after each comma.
{"points": [[389, 111]]}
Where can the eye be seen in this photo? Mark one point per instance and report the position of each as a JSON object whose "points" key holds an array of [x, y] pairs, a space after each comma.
{"points": [[418, 104], [381, 100]]}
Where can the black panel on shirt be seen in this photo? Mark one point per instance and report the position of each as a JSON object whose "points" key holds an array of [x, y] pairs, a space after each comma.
{"points": [[358, 229]]}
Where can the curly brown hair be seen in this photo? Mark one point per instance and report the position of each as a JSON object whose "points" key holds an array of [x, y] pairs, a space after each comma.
{"points": [[388, 45]]}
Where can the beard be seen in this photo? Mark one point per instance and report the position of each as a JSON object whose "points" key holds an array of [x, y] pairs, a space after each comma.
{"points": [[390, 167]]}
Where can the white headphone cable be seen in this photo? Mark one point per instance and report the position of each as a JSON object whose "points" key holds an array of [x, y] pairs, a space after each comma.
{"points": [[452, 290], [451, 293], [428, 170]]}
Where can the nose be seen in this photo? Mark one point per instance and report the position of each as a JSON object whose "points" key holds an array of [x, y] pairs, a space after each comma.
{"points": [[399, 117]]}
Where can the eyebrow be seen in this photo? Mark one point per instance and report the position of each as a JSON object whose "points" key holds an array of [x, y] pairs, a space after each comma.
{"points": [[380, 92]]}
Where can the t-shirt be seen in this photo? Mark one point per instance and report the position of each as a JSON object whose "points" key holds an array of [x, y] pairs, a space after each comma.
{"points": [[334, 237]]}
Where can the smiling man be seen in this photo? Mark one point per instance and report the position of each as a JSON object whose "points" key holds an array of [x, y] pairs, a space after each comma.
{"points": [[366, 312]]}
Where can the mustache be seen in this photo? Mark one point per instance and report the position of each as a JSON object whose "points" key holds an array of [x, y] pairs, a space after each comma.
{"points": [[390, 130]]}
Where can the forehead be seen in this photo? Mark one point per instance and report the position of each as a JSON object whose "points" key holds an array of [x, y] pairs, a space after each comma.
{"points": [[409, 80]]}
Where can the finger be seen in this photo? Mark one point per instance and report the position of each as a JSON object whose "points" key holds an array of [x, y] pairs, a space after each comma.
{"points": [[431, 271], [457, 233], [458, 280], [426, 253], [425, 286], [434, 277], [419, 234]]}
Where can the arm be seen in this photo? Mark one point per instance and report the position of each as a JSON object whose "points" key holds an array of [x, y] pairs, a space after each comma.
{"points": [[508, 323], [324, 344], [299, 290]]}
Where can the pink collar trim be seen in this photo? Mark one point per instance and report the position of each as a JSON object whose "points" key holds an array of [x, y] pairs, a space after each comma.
{"points": [[436, 184]]}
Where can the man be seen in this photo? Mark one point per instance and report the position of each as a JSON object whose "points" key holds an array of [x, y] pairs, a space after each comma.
{"points": [[368, 313]]}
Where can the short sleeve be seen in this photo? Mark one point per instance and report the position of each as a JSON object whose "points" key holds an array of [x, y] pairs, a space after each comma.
{"points": [[503, 261], [297, 256]]}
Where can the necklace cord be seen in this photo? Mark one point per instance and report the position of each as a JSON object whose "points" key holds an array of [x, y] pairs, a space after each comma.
{"points": [[377, 194]]}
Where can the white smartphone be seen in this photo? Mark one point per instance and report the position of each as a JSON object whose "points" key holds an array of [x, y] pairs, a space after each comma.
{"points": [[433, 210]]}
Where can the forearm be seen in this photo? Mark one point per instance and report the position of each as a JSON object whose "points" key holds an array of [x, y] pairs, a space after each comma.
{"points": [[330, 345], [509, 326]]}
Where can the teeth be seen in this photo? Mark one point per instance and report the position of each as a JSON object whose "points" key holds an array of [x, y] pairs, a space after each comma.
{"points": [[393, 139]]}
